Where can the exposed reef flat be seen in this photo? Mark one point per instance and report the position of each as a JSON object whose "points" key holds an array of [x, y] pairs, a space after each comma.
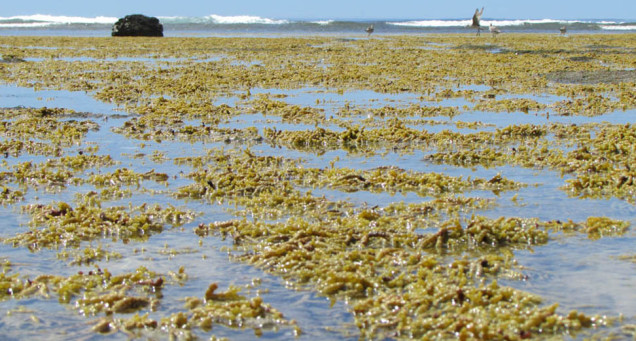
{"points": [[436, 187]]}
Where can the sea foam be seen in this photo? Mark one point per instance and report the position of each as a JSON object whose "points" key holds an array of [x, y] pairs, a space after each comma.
{"points": [[43, 19], [244, 19], [619, 27]]}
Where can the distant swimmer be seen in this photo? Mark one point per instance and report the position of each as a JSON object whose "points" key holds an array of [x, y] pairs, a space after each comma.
{"points": [[563, 30], [494, 30], [476, 19], [369, 30]]}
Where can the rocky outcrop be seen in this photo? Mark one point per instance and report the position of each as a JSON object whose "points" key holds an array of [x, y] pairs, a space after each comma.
{"points": [[137, 25]]}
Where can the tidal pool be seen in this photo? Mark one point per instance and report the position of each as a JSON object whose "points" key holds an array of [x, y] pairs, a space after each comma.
{"points": [[325, 203]]}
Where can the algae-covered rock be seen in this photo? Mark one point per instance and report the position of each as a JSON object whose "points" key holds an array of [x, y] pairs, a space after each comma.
{"points": [[137, 25]]}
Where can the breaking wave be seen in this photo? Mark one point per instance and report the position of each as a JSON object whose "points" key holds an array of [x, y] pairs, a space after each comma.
{"points": [[223, 20], [42, 20]]}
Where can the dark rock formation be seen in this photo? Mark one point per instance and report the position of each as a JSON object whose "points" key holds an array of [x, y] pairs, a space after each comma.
{"points": [[137, 25]]}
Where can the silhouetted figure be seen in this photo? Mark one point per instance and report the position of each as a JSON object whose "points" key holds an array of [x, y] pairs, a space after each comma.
{"points": [[476, 19], [563, 30], [369, 30]]}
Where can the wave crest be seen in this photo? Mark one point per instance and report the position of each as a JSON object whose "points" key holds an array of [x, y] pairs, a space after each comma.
{"points": [[244, 19], [44, 20], [619, 27]]}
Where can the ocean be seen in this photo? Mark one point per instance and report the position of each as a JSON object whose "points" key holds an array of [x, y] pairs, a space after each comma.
{"points": [[216, 25]]}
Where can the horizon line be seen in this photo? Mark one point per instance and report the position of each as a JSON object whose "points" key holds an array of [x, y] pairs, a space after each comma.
{"points": [[321, 18]]}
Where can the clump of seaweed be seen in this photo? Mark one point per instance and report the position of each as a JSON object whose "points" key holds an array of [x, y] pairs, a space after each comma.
{"points": [[227, 308], [510, 105], [10, 196], [594, 227], [44, 124], [63, 225], [629, 258], [94, 292], [88, 256], [604, 167], [125, 176], [354, 139], [395, 289], [262, 182], [288, 112]]}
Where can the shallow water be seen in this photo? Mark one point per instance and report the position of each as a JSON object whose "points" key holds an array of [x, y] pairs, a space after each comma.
{"points": [[582, 274], [206, 264], [577, 272]]}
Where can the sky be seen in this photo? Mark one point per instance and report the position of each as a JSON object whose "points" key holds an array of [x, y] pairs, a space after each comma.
{"points": [[332, 9]]}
